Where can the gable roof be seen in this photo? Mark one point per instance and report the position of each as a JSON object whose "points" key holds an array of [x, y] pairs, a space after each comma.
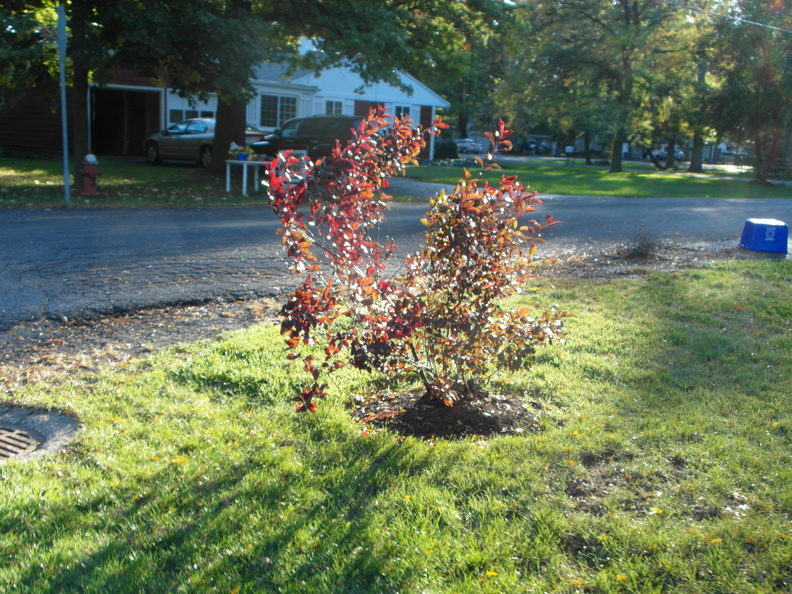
{"points": [[341, 82], [275, 75]]}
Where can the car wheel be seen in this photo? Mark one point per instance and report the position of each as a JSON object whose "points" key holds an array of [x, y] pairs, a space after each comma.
{"points": [[153, 154], [205, 159]]}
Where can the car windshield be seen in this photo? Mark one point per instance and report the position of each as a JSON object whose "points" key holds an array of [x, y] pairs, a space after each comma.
{"points": [[196, 127], [178, 128], [290, 129]]}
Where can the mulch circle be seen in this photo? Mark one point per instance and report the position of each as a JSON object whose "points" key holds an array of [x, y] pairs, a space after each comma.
{"points": [[408, 414]]}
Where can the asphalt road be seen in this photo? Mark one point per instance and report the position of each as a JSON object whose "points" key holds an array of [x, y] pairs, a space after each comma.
{"points": [[72, 263]]}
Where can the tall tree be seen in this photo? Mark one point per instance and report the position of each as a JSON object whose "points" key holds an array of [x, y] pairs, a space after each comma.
{"points": [[600, 43], [211, 46], [755, 62], [373, 38], [235, 35], [543, 87], [463, 58], [28, 54]]}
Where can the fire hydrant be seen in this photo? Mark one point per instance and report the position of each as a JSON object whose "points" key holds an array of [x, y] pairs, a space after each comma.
{"points": [[90, 173]]}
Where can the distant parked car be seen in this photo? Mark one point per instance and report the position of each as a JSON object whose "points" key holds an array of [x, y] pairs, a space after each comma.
{"points": [[466, 145], [531, 147], [316, 135], [190, 140], [679, 155], [253, 134]]}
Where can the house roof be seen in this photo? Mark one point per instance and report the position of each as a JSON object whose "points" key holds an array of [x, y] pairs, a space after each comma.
{"points": [[276, 75], [342, 82]]}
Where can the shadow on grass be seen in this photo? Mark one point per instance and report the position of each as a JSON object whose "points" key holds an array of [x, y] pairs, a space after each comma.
{"points": [[240, 523], [712, 325]]}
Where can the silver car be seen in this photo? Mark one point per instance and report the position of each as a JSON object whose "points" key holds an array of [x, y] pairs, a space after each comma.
{"points": [[189, 140], [466, 145]]}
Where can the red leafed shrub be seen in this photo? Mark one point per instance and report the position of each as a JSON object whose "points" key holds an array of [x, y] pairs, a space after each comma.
{"points": [[442, 320]]}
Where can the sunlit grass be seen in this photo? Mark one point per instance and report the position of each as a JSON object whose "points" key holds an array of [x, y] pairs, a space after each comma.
{"points": [[663, 464], [38, 183], [557, 178]]}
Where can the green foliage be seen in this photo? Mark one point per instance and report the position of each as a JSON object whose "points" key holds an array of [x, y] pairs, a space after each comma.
{"points": [[587, 62], [753, 103], [28, 57]]}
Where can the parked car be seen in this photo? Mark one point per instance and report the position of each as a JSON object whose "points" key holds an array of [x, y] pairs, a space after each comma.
{"points": [[531, 147], [679, 155], [466, 145], [190, 140], [316, 135], [253, 134]]}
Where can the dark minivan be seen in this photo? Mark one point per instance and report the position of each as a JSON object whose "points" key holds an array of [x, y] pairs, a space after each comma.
{"points": [[316, 135]]}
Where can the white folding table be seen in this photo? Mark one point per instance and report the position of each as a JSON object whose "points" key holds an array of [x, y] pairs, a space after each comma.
{"points": [[245, 165]]}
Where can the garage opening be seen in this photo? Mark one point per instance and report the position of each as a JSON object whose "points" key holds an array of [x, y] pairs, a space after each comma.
{"points": [[122, 119]]}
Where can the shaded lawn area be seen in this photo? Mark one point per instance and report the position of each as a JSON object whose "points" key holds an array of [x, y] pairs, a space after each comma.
{"points": [[124, 183], [662, 463], [555, 178]]}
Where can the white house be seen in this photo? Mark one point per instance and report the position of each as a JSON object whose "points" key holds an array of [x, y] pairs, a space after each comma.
{"points": [[129, 109], [334, 91]]}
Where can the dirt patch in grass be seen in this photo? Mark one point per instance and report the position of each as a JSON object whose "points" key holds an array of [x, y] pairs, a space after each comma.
{"points": [[408, 414], [641, 260], [36, 350]]}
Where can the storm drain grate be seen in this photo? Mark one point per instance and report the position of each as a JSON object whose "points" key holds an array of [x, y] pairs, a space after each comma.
{"points": [[15, 442]]}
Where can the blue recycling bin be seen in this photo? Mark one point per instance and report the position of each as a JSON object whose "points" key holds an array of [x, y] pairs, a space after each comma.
{"points": [[765, 235]]}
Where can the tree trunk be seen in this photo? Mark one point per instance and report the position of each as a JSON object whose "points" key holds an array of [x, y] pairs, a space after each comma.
{"points": [[229, 127], [759, 158], [670, 154], [655, 161], [616, 153], [765, 155], [587, 147], [80, 115], [462, 126], [697, 156]]}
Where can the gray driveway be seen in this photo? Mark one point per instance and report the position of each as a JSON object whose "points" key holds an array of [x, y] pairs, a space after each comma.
{"points": [[70, 263]]}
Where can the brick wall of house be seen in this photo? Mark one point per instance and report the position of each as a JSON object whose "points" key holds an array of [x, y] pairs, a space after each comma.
{"points": [[32, 122]]}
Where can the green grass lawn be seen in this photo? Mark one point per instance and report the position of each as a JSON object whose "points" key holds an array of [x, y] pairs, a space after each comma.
{"points": [[39, 183], [28, 183], [554, 177], [662, 464]]}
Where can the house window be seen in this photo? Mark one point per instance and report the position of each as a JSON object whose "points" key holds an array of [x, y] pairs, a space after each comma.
{"points": [[402, 111], [276, 109], [177, 115], [333, 107]]}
